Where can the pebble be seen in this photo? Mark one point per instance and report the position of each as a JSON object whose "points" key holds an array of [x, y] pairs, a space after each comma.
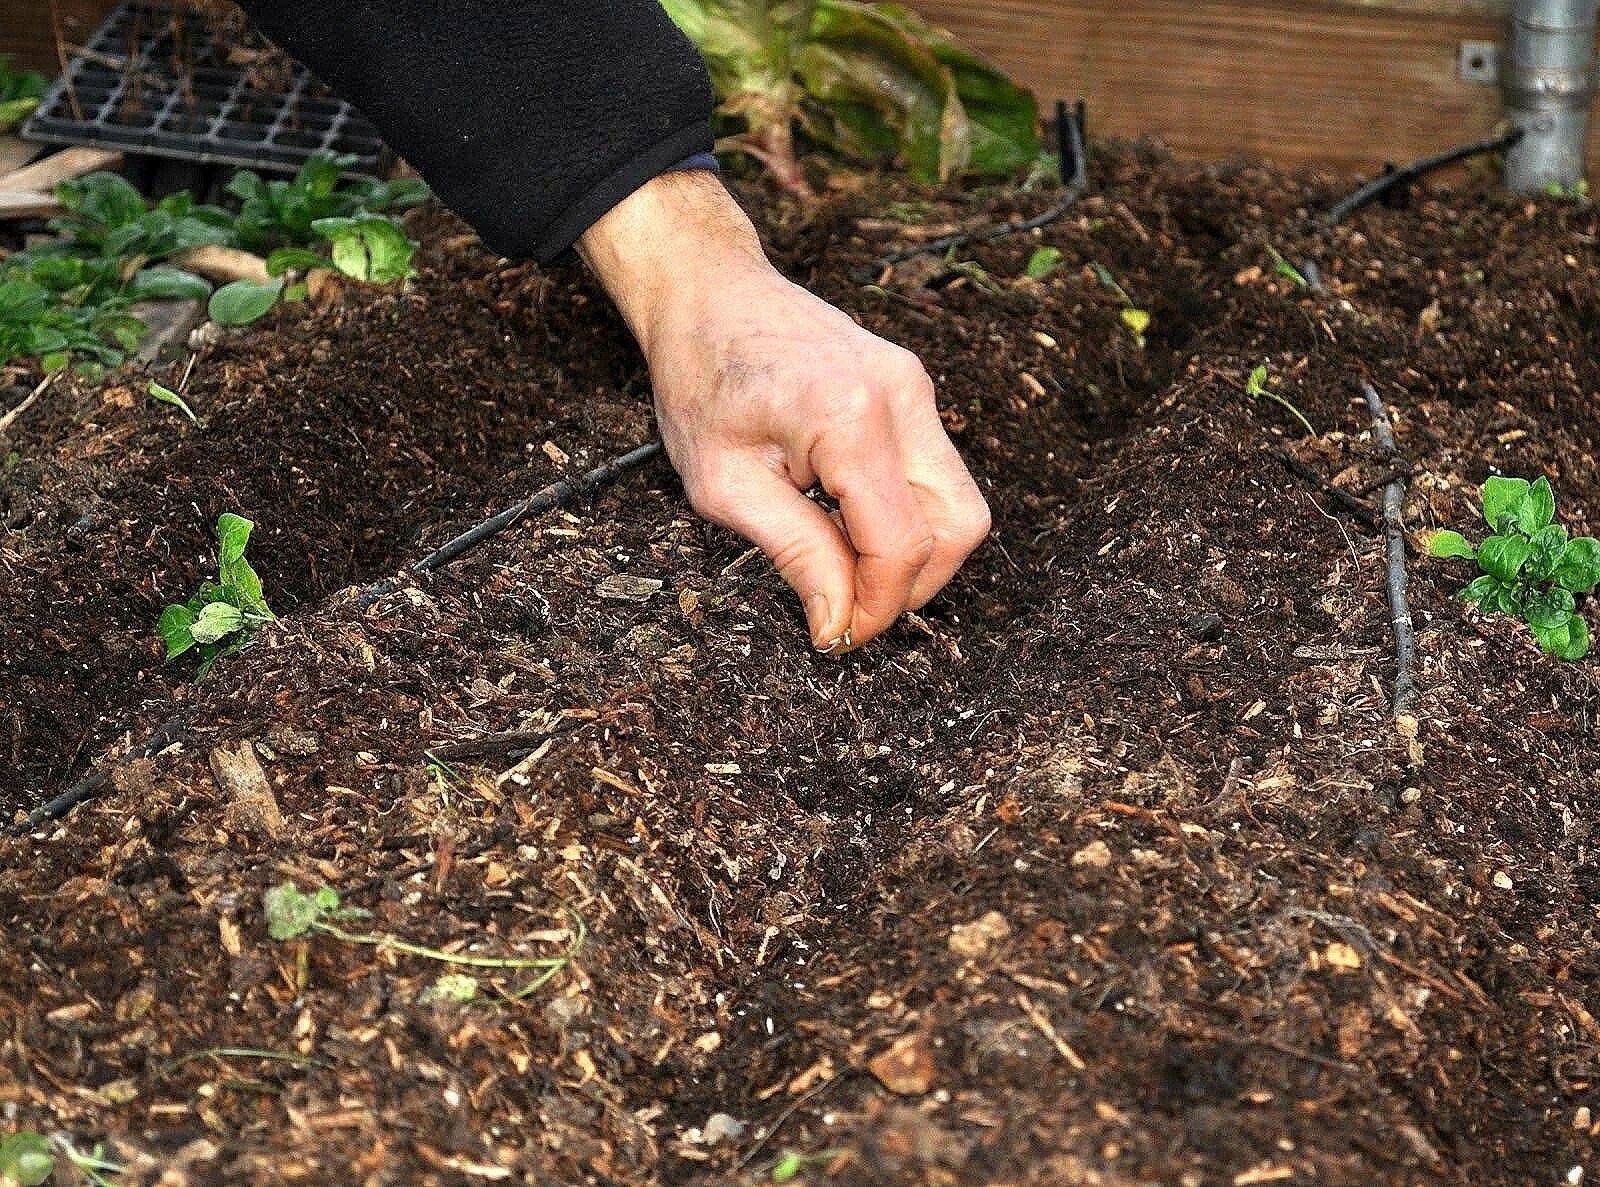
{"points": [[1502, 880], [1204, 628], [905, 1067]]}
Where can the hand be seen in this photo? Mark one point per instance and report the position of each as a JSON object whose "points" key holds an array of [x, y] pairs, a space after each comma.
{"points": [[762, 391]]}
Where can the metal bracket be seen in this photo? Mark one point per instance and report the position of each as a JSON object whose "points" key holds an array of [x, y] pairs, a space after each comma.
{"points": [[1479, 61]]}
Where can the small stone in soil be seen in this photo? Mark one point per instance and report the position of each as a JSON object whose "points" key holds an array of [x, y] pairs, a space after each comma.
{"points": [[1204, 628]]}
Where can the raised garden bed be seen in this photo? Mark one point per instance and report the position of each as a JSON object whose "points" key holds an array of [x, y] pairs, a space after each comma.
{"points": [[1111, 868]]}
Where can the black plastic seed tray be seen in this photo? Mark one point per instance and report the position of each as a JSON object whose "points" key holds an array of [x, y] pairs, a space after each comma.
{"points": [[149, 84]]}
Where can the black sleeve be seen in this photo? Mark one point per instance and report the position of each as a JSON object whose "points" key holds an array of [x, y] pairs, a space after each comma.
{"points": [[530, 119]]}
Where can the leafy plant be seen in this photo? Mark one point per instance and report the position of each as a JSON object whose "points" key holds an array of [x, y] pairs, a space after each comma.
{"points": [[224, 614], [37, 321], [368, 247], [20, 92], [869, 81], [106, 216], [25, 1159], [282, 213], [1258, 387], [291, 913], [1529, 568]]}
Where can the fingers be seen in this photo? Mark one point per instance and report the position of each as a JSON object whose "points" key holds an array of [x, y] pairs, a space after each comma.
{"points": [[860, 463], [797, 536], [950, 499]]}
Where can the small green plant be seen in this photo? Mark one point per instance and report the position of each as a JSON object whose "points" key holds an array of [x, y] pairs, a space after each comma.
{"points": [[1285, 269], [291, 913], [1529, 568], [25, 1159], [1578, 191], [93, 1165], [20, 92], [1258, 387], [1135, 319], [38, 322], [224, 614], [792, 1164], [167, 396], [1043, 262], [868, 81], [275, 214]]}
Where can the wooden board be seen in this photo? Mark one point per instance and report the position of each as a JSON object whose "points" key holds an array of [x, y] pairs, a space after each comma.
{"points": [[26, 35], [1334, 82]]}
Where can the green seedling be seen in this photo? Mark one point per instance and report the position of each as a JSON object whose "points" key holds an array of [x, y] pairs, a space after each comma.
{"points": [[872, 82], [1285, 269], [793, 1164], [1578, 191], [292, 914], [274, 214], [25, 1159], [368, 247], [1529, 568], [1043, 262], [20, 92], [224, 614], [167, 396], [94, 1166], [973, 271], [1136, 320], [460, 988], [1257, 387]]}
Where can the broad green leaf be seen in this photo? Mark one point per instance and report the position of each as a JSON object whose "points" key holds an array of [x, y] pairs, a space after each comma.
{"points": [[243, 301], [1549, 545], [1512, 600], [788, 1168], [25, 1159], [1551, 610], [1503, 498], [369, 247], [298, 259], [1504, 556], [1539, 509], [14, 111], [1256, 385], [1481, 590], [168, 284], [1448, 545], [176, 629], [1577, 641], [1579, 566], [233, 534], [1043, 262], [216, 621]]}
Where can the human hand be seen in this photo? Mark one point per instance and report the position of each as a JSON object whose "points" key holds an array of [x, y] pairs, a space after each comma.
{"points": [[763, 390]]}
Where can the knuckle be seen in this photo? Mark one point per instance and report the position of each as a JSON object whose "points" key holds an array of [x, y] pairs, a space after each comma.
{"points": [[972, 522]]}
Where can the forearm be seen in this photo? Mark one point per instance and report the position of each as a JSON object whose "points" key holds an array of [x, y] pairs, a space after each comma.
{"points": [[532, 119], [671, 237]]}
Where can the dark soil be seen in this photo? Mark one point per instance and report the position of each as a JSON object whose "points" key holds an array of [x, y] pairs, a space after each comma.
{"points": [[1110, 868]]}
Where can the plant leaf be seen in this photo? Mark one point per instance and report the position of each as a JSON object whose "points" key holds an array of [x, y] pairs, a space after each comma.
{"points": [[1551, 609], [1448, 545], [1481, 590], [299, 259], [1043, 262], [176, 629], [216, 621], [243, 301], [1504, 556], [1502, 498], [290, 914], [1539, 509], [168, 284], [167, 396], [25, 1159], [1579, 566]]}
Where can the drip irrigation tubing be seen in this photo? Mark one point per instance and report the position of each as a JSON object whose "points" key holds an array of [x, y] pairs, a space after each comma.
{"points": [[1072, 144], [555, 495], [1393, 179], [1394, 497]]}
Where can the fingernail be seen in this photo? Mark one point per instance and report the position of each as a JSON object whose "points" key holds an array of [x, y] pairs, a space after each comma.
{"points": [[842, 643], [817, 614]]}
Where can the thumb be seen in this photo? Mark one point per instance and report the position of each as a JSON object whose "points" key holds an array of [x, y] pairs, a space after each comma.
{"points": [[802, 542]]}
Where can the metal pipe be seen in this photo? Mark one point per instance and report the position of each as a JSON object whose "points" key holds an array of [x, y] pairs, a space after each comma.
{"points": [[1549, 81]]}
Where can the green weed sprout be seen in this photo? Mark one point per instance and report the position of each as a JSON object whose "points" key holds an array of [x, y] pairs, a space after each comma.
{"points": [[1285, 269], [1257, 388], [1529, 568], [1044, 261], [291, 913], [224, 614], [1135, 319]]}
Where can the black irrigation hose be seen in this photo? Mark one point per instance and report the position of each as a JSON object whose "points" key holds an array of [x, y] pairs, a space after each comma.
{"points": [[1394, 497], [1073, 146], [1406, 174], [551, 497]]}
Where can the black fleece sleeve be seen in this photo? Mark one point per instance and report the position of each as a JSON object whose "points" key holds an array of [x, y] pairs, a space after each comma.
{"points": [[529, 118]]}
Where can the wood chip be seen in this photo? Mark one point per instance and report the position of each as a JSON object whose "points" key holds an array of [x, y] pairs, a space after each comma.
{"points": [[905, 1067], [251, 808], [621, 587]]}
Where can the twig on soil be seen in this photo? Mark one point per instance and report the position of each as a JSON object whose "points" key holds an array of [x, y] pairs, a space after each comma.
{"points": [[1394, 497], [1360, 508], [551, 497], [1406, 174], [28, 402], [1074, 151]]}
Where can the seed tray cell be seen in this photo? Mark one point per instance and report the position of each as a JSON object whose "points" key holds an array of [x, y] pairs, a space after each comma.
{"points": [[151, 84]]}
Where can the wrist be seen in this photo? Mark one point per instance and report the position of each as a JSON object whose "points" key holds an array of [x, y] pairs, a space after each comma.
{"points": [[665, 243]]}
